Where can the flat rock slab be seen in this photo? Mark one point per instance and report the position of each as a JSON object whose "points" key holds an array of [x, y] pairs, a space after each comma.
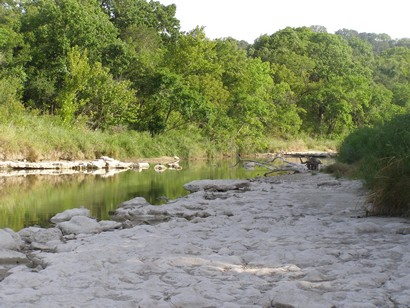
{"points": [[216, 185], [8, 256]]}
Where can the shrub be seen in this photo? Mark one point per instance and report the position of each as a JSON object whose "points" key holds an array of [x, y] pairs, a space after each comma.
{"points": [[356, 145], [383, 157]]}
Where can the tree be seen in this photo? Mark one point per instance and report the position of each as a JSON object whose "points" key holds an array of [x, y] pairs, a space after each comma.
{"points": [[393, 71], [91, 94], [168, 105], [248, 108], [316, 74], [362, 50], [380, 108], [194, 60], [9, 36], [51, 28], [144, 14], [12, 75], [380, 42], [318, 29]]}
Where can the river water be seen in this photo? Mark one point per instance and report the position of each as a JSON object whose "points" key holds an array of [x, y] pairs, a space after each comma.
{"points": [[33, 199]]}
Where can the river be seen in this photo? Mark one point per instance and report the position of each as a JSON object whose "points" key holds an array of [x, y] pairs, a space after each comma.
{"points": [[33, 199]]}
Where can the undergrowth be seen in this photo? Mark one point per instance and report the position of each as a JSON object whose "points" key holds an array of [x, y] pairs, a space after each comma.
{"points": [[382, 156]]}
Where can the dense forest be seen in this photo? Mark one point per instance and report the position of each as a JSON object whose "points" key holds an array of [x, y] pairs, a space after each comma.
{"points": [[112, 65]]}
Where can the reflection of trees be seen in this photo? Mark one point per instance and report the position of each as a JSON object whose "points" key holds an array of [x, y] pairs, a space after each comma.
{"points": [[32, 181], [35, 199]]}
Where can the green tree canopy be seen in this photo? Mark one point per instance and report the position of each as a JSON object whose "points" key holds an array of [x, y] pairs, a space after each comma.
{"points": [[319, 73], [51, 28]]}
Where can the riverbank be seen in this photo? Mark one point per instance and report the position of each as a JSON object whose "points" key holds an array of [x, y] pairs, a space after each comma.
{"points": [[300, 240], [104, 166]]}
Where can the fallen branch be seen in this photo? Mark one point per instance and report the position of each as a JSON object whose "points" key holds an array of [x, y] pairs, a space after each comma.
{"points": [[289, 166]]}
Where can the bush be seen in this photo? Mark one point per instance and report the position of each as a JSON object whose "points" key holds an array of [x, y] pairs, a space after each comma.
{"points": [[356, 145], [383, 157]]}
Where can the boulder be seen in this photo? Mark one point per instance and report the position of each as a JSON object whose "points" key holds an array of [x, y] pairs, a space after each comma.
{"points": [[10, 240], [141, 166], [136, 202], [129, 209], [68, 214], [80, 225], [112, 163], [40, 235], [97, 164]]}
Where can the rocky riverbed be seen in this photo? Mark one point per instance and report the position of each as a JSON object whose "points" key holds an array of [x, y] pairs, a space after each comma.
{"points": [[299, 240]]}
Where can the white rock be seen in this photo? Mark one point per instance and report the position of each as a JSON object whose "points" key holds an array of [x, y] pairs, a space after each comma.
{"points": [[49, 246], [97, 164], [40, 235], [141, 166], [12, 257], [296, 245], [368, 227], [111, 163], [108, 225], [138, 201], [9, 240], [80, 225], [68, 214], [108, 159]]}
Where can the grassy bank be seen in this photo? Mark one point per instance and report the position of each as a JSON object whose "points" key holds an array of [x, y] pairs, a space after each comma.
{"points": [[34, 137], [40, 137], [381, 156]]}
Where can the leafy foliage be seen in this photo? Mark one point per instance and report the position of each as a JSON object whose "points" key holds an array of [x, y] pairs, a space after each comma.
{"points": [[124, 63], [383, 157], [91, 93]]}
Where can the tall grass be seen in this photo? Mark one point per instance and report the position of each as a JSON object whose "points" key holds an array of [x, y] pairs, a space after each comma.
{"points": [[382, 155], [34, 137], [301, 143], [41, 137]]}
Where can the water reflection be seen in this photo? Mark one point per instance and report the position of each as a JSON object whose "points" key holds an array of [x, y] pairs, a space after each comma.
{"points": [[33, 199]]}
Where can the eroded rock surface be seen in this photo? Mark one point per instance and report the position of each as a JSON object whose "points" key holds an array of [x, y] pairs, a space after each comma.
{"points": [[279, 242]]}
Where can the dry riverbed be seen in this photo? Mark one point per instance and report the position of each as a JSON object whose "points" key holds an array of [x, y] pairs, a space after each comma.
{"points": [[298, 241]]}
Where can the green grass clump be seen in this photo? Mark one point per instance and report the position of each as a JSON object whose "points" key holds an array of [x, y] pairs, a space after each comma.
{"points": [[382, 155]]}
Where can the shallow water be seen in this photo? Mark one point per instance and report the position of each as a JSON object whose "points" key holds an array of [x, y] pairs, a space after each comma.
{"points": [[33, 199]]}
